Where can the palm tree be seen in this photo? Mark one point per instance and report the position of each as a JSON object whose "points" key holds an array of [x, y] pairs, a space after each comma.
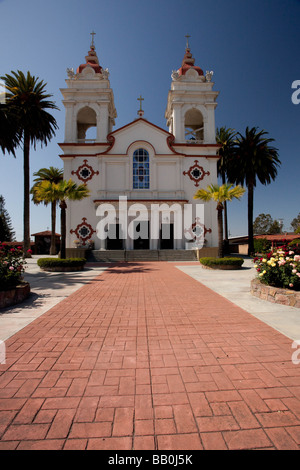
{"points": [[54, 176], [226, 139], [220, 194], [254, 159], [9, 134], [27, 103], [61, 192]]}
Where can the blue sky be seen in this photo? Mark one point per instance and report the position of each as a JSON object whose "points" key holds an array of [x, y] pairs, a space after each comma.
{"points": [[252, 47]]}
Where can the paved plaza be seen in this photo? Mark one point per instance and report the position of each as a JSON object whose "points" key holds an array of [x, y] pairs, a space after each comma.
{"points": [[148, 356]]}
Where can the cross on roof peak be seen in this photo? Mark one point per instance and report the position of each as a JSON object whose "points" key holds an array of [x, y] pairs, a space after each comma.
{"points": [[140, 99], [140, 111], [92, 34]]}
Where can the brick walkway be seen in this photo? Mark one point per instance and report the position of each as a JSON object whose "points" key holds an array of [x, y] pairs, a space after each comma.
{"points": [[145, 357]]}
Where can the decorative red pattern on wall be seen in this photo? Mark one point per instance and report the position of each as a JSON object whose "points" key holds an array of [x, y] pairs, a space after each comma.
{"points": [[83, 231], [198, 231], [85, 172], [196, 173]]}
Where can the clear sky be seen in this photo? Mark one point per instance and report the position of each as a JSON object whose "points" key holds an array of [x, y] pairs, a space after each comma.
{"points": [[252, 46]]}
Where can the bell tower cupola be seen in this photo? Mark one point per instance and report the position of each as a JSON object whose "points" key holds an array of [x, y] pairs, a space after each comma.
{"points": [[190, 112], [89, 101]]}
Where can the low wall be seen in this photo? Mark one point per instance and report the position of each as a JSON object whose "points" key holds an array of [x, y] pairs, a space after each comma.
{"points": [[76, 252], [241, 249], [207, 252], [14, 296], [275, 294]]}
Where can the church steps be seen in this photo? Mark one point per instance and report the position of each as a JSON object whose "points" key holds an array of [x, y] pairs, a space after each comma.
{"points": [[141, 255]]}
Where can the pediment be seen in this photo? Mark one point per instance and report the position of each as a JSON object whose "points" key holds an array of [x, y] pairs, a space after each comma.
{"points": [[141, 130]]}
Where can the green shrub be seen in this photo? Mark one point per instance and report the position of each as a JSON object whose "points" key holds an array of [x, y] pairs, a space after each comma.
{"points": [[57, 262], [210, 261], [262, 245]]}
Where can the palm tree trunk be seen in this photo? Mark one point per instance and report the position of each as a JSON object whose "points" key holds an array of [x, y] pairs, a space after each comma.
{"points": [[226, 242], [220, 231], [225, 219], [53, 226], [63, 231], [250, 218], [26, 212]]}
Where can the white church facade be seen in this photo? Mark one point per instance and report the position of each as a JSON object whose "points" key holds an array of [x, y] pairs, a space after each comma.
{"points": [[140, 169]]}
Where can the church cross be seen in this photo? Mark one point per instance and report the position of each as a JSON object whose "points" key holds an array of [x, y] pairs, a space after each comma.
{"points": [[92, 34], [140, 99], [187, 41]]}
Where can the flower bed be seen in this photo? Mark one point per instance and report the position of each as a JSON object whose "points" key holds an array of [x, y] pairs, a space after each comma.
{"points": [[221, 263], [61, 265], [12, 266], [278, 277], [279, 268], [13, 289]]}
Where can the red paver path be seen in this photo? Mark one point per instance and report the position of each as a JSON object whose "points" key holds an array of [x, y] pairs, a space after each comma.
{"points": [[145, 357]]}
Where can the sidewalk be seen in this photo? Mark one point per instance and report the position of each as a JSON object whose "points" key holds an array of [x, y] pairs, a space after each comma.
{"points": [[47, 289], [235, 286], [145, 356]]}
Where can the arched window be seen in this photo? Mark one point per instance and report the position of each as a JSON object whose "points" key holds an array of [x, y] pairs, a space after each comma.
{"points": [[141, 169]]}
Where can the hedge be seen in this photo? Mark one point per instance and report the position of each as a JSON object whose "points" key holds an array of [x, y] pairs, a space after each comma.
{"points": [[210, 261], [57, 262], [262, 245], [295, 242]]}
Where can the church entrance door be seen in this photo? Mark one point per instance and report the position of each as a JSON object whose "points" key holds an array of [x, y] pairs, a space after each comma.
{"points": [[167, 237], [142, 243], [115, 242]]}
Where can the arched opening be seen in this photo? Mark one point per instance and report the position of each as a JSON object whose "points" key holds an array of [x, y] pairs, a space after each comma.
{"points": [[194, 126], [86, 119]]}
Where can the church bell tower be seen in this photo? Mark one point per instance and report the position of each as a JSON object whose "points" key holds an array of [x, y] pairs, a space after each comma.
{"points": [[190, 112], [89, 102]]}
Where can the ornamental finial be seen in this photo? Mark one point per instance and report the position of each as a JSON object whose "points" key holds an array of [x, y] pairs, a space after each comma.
{"points": [[187, 41]]}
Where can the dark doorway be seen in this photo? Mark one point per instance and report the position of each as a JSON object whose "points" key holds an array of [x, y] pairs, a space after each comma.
{"points": [[167, 237], [142, 243], [114, 242]]}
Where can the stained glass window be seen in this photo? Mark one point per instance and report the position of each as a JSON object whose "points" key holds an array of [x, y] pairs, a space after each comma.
{"points": [[141, 169]]}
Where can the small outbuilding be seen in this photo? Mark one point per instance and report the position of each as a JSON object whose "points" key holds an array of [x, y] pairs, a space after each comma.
{"points": [[42, 242]]}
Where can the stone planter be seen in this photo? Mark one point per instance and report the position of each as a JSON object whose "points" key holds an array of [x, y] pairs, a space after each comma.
{"points": [[225, 267], [62, 269], [275, 294], [15, 295]]}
